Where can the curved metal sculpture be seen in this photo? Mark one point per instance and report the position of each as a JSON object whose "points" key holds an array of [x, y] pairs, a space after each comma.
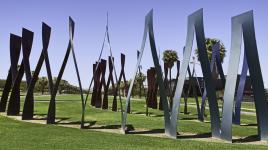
{"points": [[122, 75], [100, 83], [244, 25], [215, 60], [195, 25], [27, 46], [28, 108], [148, 29], [51, 110], [110, 80], [178, 64], [192, 85], [152, 88], [96, 80], [106, 36], [14, 100], [15, 47], [240, 92]]}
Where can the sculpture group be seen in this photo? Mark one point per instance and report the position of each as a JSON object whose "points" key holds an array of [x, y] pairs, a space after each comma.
{"points": [[242, 26]]}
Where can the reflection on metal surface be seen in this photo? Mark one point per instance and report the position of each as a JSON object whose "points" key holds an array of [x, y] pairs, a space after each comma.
{"points": [[240, 92], [51, 110], [195, 25], [244, 25], [148, 29], [215, 60]]}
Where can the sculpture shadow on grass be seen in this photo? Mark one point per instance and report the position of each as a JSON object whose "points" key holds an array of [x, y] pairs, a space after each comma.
{"points": [[87, 123], [201, 135], [44, 117], [249, 125], [153, 131], [113, 126], [251, 138], [189, 118]]}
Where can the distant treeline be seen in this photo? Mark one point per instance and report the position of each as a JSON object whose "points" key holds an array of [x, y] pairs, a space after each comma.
{"points": [[42, 86]]}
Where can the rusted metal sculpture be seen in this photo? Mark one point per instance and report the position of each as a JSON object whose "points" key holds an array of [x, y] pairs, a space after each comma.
{"points": [[14, 100], [100, 83], [15, 48], [110, 80], [95, 78], [28, 108], [122, 75], [152, 88], [52, 105]]}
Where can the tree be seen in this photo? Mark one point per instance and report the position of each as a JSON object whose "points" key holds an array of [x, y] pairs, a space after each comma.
{"points": [[209, 43], [43, 83], [64, 86], [169, 58], [140, 79]]}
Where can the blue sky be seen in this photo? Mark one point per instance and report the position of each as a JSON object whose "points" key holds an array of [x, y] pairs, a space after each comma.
{"points": [[126, 22]]}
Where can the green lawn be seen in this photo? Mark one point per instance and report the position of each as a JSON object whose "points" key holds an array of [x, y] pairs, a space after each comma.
{"points": [[69, 110], [21, 135]]}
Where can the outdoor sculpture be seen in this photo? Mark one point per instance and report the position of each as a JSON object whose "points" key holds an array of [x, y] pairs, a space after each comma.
{"points": [[215, 60], [100, 83], [14, 100], [240, 92], [148, 29], [110, 80], [15, 46], [141, 78], [51, 110], [151, 101], [192, 86], [95, 71], [122, 75], [244, 25], [195, 25], [28, 108], [96, 79], [167, 85], [176, 78]]}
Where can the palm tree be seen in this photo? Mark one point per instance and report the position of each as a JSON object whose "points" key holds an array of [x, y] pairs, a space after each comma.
{"points": [[209, 43], [140, 79], [169, 58]]}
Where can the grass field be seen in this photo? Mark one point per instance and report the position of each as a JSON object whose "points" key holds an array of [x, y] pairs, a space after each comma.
{"points": [[69, 110]]}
